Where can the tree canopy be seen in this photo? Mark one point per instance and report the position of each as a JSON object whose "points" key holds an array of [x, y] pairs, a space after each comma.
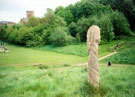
{"points": [[67, 25]]}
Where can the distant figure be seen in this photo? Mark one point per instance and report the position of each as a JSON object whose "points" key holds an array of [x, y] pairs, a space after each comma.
{"points": [[3, 43], [109, 63], [6, 48], [117, 45]]}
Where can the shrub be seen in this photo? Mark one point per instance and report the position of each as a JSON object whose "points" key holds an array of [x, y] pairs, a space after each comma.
{"points": [[78, 38], [24, 35], [58, 37], [46, 34], [70, 40], [36, 41]]}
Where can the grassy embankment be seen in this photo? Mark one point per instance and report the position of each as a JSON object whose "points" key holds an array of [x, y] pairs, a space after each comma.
{"points": [[68, 54], [65, 81], [125, 55], [50, 55]]}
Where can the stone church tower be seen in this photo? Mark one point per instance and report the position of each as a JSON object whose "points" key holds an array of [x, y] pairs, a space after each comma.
{"points": [[29, 14]]}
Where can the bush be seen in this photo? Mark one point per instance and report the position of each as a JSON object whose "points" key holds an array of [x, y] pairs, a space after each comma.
{"points": [[120, 23], [70, 40], [60, 37], [36, 41], [24, 35], [46, 34]]}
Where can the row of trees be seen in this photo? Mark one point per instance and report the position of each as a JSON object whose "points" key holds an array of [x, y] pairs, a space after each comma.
{"points": [[69, 25]]}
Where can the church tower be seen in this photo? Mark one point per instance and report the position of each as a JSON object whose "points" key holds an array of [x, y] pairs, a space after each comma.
{"points": [[29, 14]]}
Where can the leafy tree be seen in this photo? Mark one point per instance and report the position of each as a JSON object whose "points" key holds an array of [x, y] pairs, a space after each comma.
{"points": [[87, 8], [3, 30], [48, 17], [120, 23], [58, 21], [65, 13], [127, 7], [32, 22], [82, 26]]}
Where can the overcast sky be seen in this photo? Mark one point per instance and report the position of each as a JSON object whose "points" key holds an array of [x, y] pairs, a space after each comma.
{"points": [[14, 10]]}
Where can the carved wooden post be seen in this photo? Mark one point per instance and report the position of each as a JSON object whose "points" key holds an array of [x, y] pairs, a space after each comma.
{"points": [[93, 39]]}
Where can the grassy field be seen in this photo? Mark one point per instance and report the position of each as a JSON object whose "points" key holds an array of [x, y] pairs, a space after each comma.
{"points": [[22, 55], [49, 55], [71, 54], [65, 81]]}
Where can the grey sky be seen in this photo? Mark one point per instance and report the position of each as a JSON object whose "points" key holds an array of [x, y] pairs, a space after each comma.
{"points": [[14, 10]]}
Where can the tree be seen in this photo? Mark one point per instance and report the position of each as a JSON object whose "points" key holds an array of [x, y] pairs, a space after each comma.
{"points": [[82, 26], [127, 7], [3, 30], [58, 21], [120, 23], [65, 13], [72, 29], [48, 17], [32, 22]]}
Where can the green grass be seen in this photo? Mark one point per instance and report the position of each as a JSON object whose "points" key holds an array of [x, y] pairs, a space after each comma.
{"points": [[79, 50], [65, 81], [49, 55], [22, 55], [125, 55], [71, 54]]}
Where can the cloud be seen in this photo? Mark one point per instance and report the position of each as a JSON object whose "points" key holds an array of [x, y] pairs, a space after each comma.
{"points": [[14, 10]]}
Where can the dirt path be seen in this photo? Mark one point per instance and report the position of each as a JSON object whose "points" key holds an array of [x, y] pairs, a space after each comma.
{"points": [[98, 59], [107, 56]]}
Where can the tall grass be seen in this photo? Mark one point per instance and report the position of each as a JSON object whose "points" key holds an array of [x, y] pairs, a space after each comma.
{"points": [[80, 49], [125, 55], [65, 81]]}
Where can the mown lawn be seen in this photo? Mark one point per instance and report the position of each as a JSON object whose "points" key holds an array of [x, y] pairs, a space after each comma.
{"points": [[22, 55], [65, 81]]}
